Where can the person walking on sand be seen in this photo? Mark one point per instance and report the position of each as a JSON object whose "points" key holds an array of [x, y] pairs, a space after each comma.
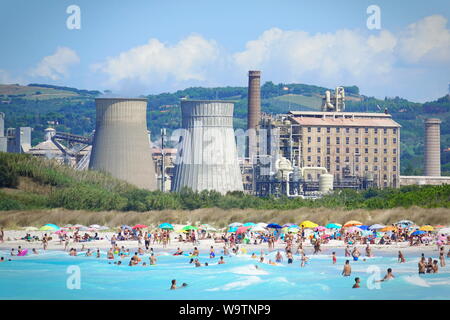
{"points": [[347, 271]]}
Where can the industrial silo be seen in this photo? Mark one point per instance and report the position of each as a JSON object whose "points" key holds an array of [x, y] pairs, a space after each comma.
{"points": [[207, 155], [121, 145], [433, 147]]}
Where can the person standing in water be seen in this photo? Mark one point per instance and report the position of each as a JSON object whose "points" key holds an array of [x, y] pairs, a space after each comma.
{"points": [[333, 256], [356, 285], [401, 258], [442, 257], [347, 271]]}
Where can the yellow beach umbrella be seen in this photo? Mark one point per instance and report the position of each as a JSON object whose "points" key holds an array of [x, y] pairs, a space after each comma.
{"points": [[308, 224], [388, 228], [426, 228], [352, 223]]}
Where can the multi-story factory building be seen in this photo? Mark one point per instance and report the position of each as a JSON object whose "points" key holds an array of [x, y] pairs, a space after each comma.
{"points": [[358, 149]]}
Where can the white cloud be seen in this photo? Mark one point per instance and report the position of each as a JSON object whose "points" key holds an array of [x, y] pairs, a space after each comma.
{"points": [[154, 62], [6, 78], [379, 62], [426, 40], [56, 65]]}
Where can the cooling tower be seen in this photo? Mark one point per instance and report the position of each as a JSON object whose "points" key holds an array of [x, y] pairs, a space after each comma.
{"points": [[207, 155], [254, 110], [121, 145], [432, 147]]}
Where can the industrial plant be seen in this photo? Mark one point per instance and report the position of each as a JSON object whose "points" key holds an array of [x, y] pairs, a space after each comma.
{"points": [[297, 154]]}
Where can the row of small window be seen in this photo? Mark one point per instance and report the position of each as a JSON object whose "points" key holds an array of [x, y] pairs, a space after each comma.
{"points": [[366, 168], [347, 159], [347, 150], [385, 177], [347, 140], [356, 130]]}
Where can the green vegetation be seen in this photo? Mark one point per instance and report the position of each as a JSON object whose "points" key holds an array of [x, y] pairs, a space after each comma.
{"points": [[73, 111], [63, 187]]}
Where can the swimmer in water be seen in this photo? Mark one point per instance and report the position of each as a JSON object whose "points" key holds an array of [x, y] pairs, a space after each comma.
{"points": [[278, 257], [221, 261], [389, 275], [35, 251], [152, 259], [110, 254], [197, 263], [401, 258], [333, 257], [88, 253], [356, 285], [178, 252], [254, 256], [174, 285], [347, 271]]}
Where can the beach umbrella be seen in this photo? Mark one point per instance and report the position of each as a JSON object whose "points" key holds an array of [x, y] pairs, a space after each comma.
{"points": [[46, 228], [242, 230], [258, 229], [274, 226], [364, 227], [388, 228], [84, 228], [308, 224], [207, 227], [377, 226], [418, 233], [94, 226], [426, 228], [235, 224], [166, 226], [124, 226], [60, 232], [439, 226], [54, 226], [78, 226], [232, 229], [188, 228], [366, 233], [352, 223], [444, 231], [353, 229], [293, 230], [333, 226], [287, 225], [248, 224], [262, 224], [405, 222], [31, 229], [140, 226], [320, 228]]}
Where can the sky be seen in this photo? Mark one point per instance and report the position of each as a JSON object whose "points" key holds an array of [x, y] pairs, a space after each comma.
{"points": [[151, 46]]}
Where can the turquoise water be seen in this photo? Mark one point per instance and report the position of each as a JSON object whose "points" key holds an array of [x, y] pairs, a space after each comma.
{"points": [[45, 276]]}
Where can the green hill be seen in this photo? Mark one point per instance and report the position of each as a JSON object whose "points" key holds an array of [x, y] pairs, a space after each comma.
{"points": [[30, 183]]}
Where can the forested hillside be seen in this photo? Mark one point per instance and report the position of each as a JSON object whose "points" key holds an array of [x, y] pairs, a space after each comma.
{"points": [[73, 110]]}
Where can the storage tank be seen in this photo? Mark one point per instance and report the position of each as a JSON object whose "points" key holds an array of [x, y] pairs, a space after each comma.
{"points": [[121, 146], [325, 182], [433, 147], [207, 154]]}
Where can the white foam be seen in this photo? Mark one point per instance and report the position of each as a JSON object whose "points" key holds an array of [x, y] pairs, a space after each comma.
{"points": [[236, 285], [248, 270], [416, 280]]}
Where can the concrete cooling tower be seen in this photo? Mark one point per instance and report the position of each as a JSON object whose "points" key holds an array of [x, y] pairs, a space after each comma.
{"points": [[207, 155], [433, 147], [121, 145]]}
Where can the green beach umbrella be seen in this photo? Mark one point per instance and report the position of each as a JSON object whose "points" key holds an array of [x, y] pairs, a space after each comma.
{"points": [[187, 228]]}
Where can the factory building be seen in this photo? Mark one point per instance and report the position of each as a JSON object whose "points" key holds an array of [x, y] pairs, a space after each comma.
{"points": [[19, 139]]}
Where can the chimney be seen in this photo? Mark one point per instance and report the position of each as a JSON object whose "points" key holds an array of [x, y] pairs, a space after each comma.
{"points": [[254, 110], [433, 147]]}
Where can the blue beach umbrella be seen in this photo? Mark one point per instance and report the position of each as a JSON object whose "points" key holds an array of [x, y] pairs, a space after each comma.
{"points": [[418, 233], [333, 226], [364, 227], [274, 226], [166, 225], [249, 224], [232, 229]]}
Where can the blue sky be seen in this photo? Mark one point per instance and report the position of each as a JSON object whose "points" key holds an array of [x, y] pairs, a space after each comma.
{"points": [[140, 47]]}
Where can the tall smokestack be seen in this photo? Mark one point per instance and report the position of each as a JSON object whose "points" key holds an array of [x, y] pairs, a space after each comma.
{"points": [[254, 109], [121, 145], [433, 147]]}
